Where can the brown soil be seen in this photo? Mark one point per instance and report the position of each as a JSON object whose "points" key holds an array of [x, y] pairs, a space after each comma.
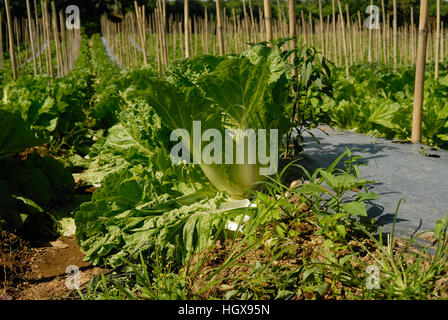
{"points": [[38, 273], [305, 244]]}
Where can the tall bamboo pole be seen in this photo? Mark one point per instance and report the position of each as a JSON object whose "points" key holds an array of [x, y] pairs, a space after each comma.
{"points": [[38, 37], [206, 30], [349, 34], [395, 35], [56, 38], [17, 33], [442, 37], [164, 38], [335, 54], [30, 30], [412, 36], [370, 35], [48, 33], [420, 72], [246, 23], [267, 19], [64, 43], [186, 28], [321, 28], [219, 28], [11, 41], [383, 30], [2, 61], [437, 44], [292, 27], [344, 43]]}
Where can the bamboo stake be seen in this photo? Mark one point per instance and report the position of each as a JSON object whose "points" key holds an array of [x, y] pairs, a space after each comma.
{"points": [[412, 36], [190, 38], [349, 34], [280, 17], [395, 34], [181, 40], [144, 40], [11, 41], [321, 28], [360, 39], [335, 54], [186, 27], [383, 30], [347, 73], [17, 33], [369, 58], [38, 36], [304, 33], [164, 38], [48, 32], [64, 44], [267, 19], [174, 32], [235, 33], [252, 20], [206, 30], [310, 19], [246, 23], [292, 29], [420, 72], [442, 58], [437, 44], [2, 61], [219, 28], [56, 39], [195, 32]]}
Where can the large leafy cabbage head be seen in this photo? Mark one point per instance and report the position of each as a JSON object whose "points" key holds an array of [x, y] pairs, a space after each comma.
{"points": [[240, 95]]}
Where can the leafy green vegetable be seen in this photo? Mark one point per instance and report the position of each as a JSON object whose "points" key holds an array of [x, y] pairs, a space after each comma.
{"points": [[140, 209], [237, 95], [376, 100], [15, 135]]}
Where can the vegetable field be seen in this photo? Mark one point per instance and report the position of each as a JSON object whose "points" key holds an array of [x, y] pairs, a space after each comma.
{"points": [[164, 151]]}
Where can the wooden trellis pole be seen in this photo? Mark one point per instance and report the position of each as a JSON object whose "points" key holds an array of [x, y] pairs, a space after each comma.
{"points": [[349, 35], [395, 35], [369, 57], [321, 27], [246, 23], [206, 30], [11, 41], [335, 50], [56, 38], [17, 33], [2, 61], [38, 36], [304, 33], [292, 28], [437, 44], [267, 19], [420, 72], [30, 30], [186, 28], [64, 44], [344, 43], [219, 28]]}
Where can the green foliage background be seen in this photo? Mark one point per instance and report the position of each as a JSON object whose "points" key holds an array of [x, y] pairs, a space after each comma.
{"points": [[91, 10]]}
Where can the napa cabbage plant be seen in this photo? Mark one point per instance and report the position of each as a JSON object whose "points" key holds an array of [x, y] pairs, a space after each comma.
{"points": [[240, 94]]}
